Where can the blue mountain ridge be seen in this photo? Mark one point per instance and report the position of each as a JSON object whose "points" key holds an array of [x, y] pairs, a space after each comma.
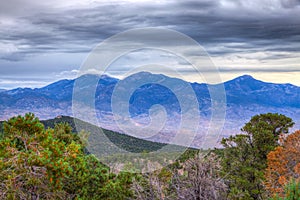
{"points": [[245, 96]]}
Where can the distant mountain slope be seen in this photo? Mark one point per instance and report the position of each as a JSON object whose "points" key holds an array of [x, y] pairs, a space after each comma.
{"points": [[245, 95], [243, 90], [126, 142], [247, 90]]}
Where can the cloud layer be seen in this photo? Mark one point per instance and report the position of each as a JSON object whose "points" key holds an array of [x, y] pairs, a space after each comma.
{"points": [[239, 35]]}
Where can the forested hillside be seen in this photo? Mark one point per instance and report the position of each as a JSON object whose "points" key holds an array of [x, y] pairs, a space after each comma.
{"points": [[48, 160], [123, 141]]}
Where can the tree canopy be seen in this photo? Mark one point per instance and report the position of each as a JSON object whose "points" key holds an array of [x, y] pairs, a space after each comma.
{"points": [[245, 155], [38, 163]]}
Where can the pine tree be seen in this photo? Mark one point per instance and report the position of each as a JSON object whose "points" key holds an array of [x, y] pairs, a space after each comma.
{"points": [[245, 155], [51, 164]]}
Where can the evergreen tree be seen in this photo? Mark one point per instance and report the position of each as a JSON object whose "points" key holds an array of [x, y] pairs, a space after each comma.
{"points": [[245, 154], [51, 164]]}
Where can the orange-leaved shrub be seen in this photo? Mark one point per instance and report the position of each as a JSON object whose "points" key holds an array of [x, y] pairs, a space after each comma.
{"points": [[283, 164]]}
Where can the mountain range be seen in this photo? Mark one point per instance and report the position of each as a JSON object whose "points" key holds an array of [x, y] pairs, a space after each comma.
{"points": [[245, 97]]}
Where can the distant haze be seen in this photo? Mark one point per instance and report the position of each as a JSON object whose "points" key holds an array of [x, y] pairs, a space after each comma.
{"points": [[153, 110]]}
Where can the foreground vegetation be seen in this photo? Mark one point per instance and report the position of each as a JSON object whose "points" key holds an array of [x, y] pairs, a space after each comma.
{"points": [[49, 161]]}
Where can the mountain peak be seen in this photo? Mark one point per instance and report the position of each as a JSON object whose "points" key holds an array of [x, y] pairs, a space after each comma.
{"points": [[244, 80], [245, 77], [245, 83]]}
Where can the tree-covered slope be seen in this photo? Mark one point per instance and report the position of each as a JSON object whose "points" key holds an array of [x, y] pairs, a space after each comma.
{"points": [[123, 141], [111, 139]]}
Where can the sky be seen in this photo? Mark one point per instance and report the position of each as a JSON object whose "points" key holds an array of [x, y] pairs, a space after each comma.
{"points": [[45, 41]]}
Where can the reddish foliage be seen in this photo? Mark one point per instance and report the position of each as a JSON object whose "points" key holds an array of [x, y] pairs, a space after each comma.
{"points": [[283, 164]]}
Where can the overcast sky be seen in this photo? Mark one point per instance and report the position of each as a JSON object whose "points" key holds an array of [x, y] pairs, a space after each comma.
{"points": [[44, 41]]}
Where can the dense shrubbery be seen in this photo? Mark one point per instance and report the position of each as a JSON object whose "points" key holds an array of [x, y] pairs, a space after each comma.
{"points": [[240, 170], [291, 192], [50, 164], [283, 164], [260, 163]]}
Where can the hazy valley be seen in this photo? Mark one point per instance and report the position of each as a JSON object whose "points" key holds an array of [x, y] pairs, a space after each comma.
{"points": [[245, 97]]}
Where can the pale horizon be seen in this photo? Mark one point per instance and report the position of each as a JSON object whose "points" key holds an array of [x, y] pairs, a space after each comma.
{"points": [[229, 78]]}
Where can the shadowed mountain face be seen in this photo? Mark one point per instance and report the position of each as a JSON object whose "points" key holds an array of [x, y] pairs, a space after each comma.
{"points": [[245, 95]]}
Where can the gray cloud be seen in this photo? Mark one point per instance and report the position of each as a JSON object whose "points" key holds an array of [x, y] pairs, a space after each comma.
{"points": [[290, 3], [223, 27], [206, 21]]}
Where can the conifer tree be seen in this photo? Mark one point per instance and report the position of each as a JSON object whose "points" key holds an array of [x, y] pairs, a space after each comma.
{"points": [[245, 155]]}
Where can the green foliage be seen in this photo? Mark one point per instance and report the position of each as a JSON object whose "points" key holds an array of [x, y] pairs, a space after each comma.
{"points": [[51, 164], [34, 160], [245, 155], [265, 130], [119, 187], [292, 192]]}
